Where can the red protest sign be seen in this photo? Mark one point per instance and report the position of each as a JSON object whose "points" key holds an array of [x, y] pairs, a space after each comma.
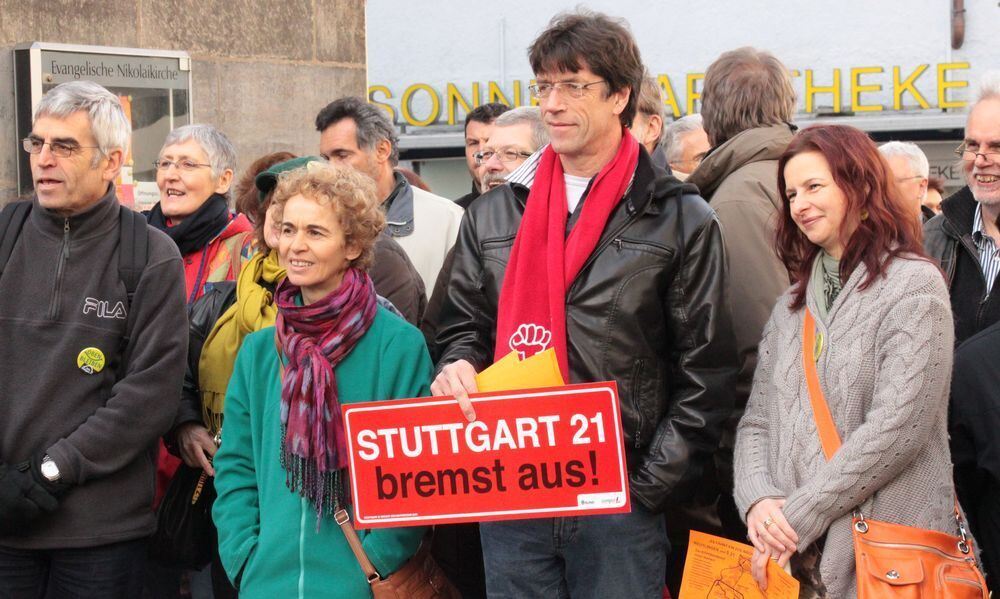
{"points": [[543, 452]]}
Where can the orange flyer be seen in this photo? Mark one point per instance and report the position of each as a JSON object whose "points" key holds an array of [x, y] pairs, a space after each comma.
{"points": [[717, 568]]}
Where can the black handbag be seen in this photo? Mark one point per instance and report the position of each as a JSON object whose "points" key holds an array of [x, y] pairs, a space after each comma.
{"points": [[185, 534]]}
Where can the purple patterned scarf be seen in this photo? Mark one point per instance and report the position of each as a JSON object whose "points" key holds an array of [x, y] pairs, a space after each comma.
{"points": [[315, 339]]}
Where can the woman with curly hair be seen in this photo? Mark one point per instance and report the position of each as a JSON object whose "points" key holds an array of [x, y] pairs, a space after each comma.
{"points": [[280, 471]]}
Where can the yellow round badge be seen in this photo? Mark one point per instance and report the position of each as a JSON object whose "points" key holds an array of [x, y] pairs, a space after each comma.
{"points": [[90, 360]]}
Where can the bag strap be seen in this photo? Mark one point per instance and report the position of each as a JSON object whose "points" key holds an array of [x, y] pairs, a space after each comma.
{"points": [[344, 521], [12, 220], [133, 250], [828, 436]]}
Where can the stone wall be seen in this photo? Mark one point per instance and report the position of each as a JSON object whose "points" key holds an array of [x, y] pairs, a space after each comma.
{"points": [[261, 70]]}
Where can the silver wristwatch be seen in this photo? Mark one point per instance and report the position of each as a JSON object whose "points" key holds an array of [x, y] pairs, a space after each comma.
{"points": [[49, 469]]}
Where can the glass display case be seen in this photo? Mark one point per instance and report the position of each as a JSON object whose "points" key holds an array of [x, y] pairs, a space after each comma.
{"points": [[153, 85]]}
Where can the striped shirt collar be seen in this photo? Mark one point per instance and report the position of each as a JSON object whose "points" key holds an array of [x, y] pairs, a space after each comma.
{"points": [[525, 174], [989, 257], [978, 231]]}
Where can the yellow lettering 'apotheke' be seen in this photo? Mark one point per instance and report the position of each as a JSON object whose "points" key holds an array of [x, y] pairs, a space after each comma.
{"points": [[902, 86], [812, 90], [857, 89], [944, 85], [421, 104]]}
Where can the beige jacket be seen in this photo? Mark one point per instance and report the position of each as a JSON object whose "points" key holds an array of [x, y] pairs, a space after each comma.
{"points": [[428, 238], [740, 181]]}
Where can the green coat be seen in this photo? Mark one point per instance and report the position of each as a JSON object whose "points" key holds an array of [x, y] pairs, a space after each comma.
{"points": [[267, 532]]}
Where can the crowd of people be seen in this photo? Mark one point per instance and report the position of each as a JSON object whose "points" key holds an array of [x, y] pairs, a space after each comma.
{"points": [[801, 334]]}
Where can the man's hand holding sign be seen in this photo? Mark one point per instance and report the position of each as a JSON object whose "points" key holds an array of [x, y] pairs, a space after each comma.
{"points": [[552, 451]]}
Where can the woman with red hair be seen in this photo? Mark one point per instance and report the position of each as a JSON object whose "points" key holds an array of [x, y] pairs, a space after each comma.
{"points": [[870, 315]]}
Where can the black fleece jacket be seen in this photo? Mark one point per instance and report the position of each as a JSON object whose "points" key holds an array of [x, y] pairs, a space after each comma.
{"points": [[62, 300]]}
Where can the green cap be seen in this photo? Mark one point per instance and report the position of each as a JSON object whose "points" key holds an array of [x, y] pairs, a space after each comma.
{"points": [[267, 180]]}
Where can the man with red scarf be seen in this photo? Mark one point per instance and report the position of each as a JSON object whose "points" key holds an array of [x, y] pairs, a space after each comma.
{"points": [[592, 250]]}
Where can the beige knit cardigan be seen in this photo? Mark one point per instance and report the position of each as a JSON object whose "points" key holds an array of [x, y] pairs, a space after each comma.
{"points": [[885, 371]]}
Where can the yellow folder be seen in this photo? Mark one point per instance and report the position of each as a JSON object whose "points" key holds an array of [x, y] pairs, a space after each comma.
{"points": [[510, 372]]}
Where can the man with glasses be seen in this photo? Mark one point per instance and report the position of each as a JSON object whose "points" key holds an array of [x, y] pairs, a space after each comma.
{"points": [[965, 237], [633, 293], [91, 372], [358, 134], [966, 240], [516, 135], [911, 170], [478, 126]]}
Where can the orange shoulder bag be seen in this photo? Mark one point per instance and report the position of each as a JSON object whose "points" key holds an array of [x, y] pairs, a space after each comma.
{"points": [[893, 560]]}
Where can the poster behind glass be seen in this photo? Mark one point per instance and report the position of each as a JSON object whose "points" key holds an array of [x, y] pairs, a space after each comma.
{"points": [[154, 91]]}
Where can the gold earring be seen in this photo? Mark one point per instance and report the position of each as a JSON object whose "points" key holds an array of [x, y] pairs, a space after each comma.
{"points": [[864, 215]]}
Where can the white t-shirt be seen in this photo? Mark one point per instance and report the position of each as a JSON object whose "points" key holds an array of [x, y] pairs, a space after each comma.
{"points": [[575, 186]]}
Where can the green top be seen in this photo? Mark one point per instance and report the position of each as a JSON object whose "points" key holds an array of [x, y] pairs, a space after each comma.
{"points": [[267, 532], [825, 283]]}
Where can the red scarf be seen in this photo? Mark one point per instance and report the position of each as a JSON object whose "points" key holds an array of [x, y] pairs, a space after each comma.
{"points": [[544, 261]]}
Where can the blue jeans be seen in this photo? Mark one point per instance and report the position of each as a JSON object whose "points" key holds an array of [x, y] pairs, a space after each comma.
{"points": [[109, 572], [620, 555]]}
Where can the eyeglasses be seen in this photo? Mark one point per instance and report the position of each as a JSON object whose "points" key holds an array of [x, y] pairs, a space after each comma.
{"points": [[571, 89], [62, 149], [506, 156], [182, 165], [971, 155], [901, 179]]}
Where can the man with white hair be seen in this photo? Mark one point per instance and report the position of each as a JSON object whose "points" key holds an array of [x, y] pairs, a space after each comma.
{"points": [[95, 339], [685, 143], [965, 237], [912, 172], [516, 135]]}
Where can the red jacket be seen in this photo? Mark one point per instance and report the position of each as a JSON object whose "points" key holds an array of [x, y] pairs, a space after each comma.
{"points": [[220, 260]]}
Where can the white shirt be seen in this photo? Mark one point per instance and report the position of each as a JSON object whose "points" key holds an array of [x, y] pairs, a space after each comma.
{"points": [[575, 186]]}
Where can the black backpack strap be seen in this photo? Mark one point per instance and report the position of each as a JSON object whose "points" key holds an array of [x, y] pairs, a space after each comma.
{"points": [[12, 220], [133, 250]]}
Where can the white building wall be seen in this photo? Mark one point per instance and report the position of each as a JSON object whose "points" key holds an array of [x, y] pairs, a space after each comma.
{"points": [[437, 42]]}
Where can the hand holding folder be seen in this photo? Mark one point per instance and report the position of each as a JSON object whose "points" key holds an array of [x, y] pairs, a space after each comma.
{"points": [[510, 372]]}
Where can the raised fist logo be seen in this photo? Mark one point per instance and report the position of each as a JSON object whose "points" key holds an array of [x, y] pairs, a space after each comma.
{"points": [[529, 339]]}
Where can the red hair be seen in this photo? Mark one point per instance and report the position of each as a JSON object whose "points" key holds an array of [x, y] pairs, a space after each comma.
{"points": [[877, 225]]}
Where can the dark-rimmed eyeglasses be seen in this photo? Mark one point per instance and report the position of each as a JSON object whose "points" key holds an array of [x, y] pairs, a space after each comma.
{"points": [[506, 156], [62, 149], [571, 89], [182, 165], [970, 155]]}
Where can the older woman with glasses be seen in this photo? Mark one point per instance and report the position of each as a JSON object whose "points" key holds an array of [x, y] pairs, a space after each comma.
{"points": [[194, 173], [332, 344]]}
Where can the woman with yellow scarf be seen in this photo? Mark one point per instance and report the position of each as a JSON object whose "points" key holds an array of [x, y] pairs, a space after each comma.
{"points": [[219, 321]]}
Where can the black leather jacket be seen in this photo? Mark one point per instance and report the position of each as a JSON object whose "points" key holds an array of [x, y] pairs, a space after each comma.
{"points": [[948, 239], [202, 316], [647, 311]]}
